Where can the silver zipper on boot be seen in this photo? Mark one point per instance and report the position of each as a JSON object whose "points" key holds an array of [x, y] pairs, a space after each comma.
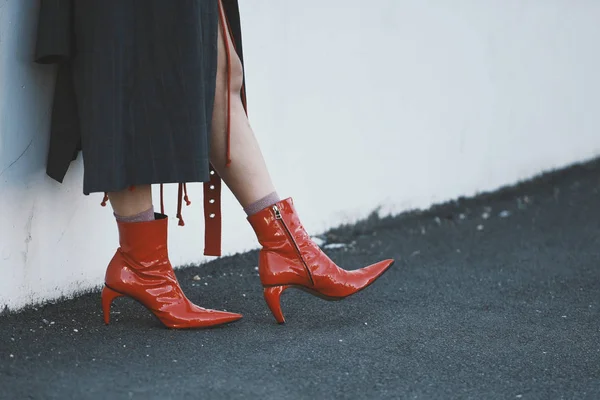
{"points": [[278, 216]]}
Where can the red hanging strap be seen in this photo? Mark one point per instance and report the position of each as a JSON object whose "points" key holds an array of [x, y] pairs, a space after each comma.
{"points": [[179, 202], [224, 30], [104, 200], [185, 197], [212, 188], [212, 214]]}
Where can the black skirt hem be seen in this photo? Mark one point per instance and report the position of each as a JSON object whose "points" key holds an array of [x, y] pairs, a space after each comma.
{"points": [[193, 174]]}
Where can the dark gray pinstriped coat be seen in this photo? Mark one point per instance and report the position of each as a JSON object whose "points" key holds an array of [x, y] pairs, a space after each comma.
{"points": [[134, 89]]}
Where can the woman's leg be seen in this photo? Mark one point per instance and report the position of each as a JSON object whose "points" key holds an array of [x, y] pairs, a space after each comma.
{"points": [[130, 203], [247, 175], [289, 257]]}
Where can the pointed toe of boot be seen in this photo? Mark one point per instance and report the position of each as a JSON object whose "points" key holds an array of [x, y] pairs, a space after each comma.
{"points": [[209, 317], [374, 271], [224, 317], [367, 275], [356, 280], [203, 318]]}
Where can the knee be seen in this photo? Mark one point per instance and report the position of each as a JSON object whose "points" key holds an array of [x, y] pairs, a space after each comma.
{"points": [[236, 72]]}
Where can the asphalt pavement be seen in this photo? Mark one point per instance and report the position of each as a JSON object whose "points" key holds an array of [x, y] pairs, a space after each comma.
{"points": [[494, 297]]}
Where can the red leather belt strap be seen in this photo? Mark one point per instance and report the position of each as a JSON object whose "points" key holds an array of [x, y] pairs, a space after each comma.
{"points": [[212, 214], [212, 188]]}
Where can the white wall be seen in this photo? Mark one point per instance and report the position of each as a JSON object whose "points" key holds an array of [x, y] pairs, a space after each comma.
{"points": [[392, 103]]}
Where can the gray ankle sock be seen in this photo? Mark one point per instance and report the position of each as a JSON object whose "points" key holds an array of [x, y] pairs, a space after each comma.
{"points": [[144, 216], [261, 204]]}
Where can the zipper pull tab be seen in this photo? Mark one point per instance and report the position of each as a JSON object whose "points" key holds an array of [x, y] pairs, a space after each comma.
{"points": [[277, 212]]}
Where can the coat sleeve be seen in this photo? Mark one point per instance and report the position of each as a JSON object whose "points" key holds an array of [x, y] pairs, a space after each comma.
{"points": [[54, 35], [55, 45]]}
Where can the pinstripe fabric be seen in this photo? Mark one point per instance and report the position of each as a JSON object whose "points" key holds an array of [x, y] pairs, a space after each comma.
{"points": [[143, 76]]}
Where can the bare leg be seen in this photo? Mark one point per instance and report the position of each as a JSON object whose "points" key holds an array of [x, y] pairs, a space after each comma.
{"points": [[249, 180], [131, 202], [247, 175]]}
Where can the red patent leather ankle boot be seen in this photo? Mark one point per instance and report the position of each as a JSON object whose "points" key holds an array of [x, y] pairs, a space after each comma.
{"points": [[289, 258], [141, 270]]}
